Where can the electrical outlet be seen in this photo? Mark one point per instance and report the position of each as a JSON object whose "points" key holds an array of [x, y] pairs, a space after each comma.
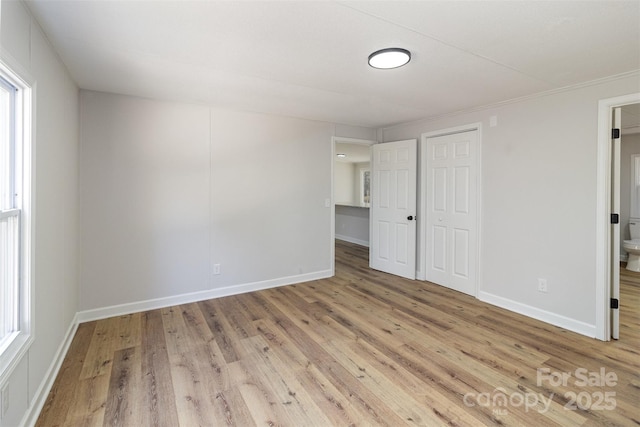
{"points": [[542, 285], [216, 269], [4, 401]]}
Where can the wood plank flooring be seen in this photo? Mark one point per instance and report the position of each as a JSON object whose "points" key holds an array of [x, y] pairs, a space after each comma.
{"points": [[360, 349]]}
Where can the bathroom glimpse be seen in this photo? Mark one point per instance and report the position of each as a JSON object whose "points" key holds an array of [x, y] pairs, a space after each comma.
{"points": [[631, 241]]}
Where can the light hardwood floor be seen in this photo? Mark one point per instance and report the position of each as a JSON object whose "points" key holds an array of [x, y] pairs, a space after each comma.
{"points": [[363, 348]]}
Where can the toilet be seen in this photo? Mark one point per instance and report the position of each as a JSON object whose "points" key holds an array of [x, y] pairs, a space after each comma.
{"points": [[632, 247]]}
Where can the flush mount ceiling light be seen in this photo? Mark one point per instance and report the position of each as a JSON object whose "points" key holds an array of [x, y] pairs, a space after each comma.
{"points": [[392, 57]]}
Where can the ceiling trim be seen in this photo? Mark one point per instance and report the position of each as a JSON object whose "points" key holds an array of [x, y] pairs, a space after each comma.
{"points": [[634, 73]]}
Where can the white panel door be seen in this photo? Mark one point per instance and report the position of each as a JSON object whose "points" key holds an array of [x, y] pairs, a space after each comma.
{"points": [[393, 208], [451, 212], [615, 227]]}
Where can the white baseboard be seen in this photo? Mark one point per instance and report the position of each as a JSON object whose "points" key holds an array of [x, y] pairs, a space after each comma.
{"points": [[352, 240], [40, 396], [539, 314], [135, 307]]}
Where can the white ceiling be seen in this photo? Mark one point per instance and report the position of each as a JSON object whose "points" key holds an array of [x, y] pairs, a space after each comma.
{"points": [[354, 153], [309, 59]]}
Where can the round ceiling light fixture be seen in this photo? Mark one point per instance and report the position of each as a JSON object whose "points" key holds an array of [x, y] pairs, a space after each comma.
{"points": [[392, 57]]}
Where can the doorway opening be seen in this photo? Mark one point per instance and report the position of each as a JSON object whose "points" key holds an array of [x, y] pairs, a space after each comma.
{"points": [[607, 226], [350, 189]]}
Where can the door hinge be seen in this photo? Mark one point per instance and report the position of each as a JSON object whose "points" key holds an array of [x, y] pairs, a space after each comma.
{"points": [[615, 303], [615, 133], [615, 218]]}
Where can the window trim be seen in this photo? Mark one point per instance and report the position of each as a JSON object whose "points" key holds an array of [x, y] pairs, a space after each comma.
{"points": [[24, 182]]}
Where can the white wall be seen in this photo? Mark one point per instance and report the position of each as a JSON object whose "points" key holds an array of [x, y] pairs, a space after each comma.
{"points": [[344, 183], [630, 145], [270, 179], [55, 283], [538, 200], [352, 224], [144, 200], [356, 132], [168, 190]]}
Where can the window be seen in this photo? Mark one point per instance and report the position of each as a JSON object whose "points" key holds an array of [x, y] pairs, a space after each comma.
{"points": [[365, 183], [15, 233], [9, 217]]}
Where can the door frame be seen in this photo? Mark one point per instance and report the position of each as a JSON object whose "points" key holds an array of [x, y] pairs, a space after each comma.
{"points": [[603, 197], [332, 240], [422, 191]]}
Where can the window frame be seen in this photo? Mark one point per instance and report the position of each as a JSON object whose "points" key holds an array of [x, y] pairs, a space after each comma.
{"points": [[22, 184]]}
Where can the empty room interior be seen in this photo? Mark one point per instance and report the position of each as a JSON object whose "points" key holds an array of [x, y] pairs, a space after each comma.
{"points": [[247, 213]]}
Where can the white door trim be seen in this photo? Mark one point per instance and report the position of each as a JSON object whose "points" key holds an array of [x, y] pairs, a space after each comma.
{"points": [[616, 145], [422, 231], [332, 240], [603, 197]]}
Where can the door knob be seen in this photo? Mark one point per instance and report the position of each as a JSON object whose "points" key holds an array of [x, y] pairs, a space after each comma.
{"points": [[410, 217]]}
